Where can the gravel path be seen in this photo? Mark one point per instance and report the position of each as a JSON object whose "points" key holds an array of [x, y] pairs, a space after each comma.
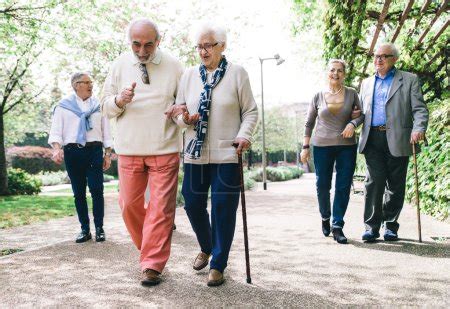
{"points": [[293, 265]]}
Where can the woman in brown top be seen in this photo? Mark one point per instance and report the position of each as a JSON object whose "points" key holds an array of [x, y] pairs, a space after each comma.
{"points": [[330, 113]]}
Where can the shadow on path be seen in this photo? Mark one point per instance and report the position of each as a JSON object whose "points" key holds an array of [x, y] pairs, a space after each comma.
{"points": [[408, 246]]}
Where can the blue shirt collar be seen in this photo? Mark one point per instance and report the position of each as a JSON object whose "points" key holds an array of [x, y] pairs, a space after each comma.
{"points": [[389, 74]]}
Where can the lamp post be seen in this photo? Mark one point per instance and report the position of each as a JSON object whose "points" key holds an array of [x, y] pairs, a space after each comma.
{"points": [[264, 159], [297, 143]]}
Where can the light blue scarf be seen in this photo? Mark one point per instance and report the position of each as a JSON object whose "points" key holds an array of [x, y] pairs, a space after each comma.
{"points": [[70, 103]]}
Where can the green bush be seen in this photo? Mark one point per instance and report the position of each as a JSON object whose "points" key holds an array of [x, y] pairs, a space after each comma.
{"points": [[61, 177], [434, 164], [249, 182], [54, 178], [281, 173], [22, 183]]}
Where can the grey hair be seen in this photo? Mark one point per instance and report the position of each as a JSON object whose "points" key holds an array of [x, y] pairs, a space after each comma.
{"points": [[342, 62], [392, 46], [218, 32], [143, 21], [76, 77]]}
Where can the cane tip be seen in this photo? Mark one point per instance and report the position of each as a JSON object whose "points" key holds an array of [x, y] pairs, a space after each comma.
{"points": [[249, 280]]}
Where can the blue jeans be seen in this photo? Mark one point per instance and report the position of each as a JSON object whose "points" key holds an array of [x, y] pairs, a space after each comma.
{"points": [[85, 166], [324, 159], [216, 237]]}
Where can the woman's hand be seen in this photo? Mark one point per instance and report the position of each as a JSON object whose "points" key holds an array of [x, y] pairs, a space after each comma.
{"points": [[190, 119], [356, 113], [58, 155], [241, 144], [348, 131], [175, 110], [305, 155], [106, 162]]}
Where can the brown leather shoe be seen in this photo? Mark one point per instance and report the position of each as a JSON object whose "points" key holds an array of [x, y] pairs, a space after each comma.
{"points": [[215, 278], [150, 277], [201, 261]]}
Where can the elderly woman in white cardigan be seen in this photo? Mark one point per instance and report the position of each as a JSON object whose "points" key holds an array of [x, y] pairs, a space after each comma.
{"points": [[216, 105]]}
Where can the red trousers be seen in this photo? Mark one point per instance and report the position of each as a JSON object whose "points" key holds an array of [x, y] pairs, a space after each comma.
{"points": [[150, 227]]}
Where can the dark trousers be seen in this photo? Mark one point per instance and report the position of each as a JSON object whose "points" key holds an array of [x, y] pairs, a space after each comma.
{"points": [[385, 175], [85, 166], [324, 160], [215, 237]]}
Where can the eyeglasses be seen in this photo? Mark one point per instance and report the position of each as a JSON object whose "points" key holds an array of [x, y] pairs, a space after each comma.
{"points": [[86, 82], [145, 77], [207, 47], [382, 57]]}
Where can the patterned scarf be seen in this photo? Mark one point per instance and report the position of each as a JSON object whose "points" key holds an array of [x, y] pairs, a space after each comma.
{"points": [[194, 147], [70, 103]]}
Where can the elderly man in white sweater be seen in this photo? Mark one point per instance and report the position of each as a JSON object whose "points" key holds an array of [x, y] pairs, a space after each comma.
{"points": [[216, 105], [140, 86]]}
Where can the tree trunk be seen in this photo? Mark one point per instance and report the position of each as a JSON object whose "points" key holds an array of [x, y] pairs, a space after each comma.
{"points": [[3, 174]]}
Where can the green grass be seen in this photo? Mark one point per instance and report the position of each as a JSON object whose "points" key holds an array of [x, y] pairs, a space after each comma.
{"points": [[20, 209]]}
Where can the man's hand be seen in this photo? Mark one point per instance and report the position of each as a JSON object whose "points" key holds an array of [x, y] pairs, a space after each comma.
{"points": [[305, 155], [348, 131], [126, 96], [58, 155], [190, 119], [241, 144], [416, 137], [175, 110], [106, 162]]}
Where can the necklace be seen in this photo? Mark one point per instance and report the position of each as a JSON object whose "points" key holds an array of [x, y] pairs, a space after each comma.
{"points": [[335, 93]]}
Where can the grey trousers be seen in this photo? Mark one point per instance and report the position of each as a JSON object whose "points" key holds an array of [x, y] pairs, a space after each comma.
{"points": [[385, 175]]}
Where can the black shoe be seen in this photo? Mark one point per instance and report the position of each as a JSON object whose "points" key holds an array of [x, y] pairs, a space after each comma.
{"points": [[339, 236], [99, 234], [326, 227], [390, 235], [370, 236], [174, 227], [83, 236]]}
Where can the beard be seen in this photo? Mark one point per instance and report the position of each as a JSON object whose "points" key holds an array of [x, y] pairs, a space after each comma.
{"points": [[149, 59]]}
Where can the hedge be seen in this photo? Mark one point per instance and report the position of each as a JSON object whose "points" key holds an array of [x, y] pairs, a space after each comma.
{"points": [[433, 164], [33, 159]]}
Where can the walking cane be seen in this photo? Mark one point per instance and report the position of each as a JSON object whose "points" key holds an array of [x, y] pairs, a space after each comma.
{"points": [[244, 217], [416, 177]]}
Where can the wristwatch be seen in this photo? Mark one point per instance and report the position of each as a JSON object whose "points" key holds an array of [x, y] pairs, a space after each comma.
{"points": [[305, 147]]}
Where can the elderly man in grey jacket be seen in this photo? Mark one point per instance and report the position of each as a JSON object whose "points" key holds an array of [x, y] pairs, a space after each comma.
{"points": [[395, 117]]}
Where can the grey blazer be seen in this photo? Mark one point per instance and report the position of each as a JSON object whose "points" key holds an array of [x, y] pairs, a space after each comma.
{"points": [[405, 112]]}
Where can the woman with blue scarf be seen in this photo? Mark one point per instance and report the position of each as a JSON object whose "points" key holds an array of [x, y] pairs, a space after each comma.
{"points": [[219, 110], [78, 135]]}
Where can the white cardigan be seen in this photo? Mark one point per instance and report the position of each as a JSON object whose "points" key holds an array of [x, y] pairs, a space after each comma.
{"points": [[233, 113]]}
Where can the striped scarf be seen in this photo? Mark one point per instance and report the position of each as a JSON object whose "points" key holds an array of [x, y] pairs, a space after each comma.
{"points": [[194, 147]]}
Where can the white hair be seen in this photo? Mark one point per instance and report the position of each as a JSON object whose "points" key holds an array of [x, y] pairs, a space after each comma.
{"points": [[342, 62], [142, 21], [76, 77], [218, 32], [392, 46]]}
